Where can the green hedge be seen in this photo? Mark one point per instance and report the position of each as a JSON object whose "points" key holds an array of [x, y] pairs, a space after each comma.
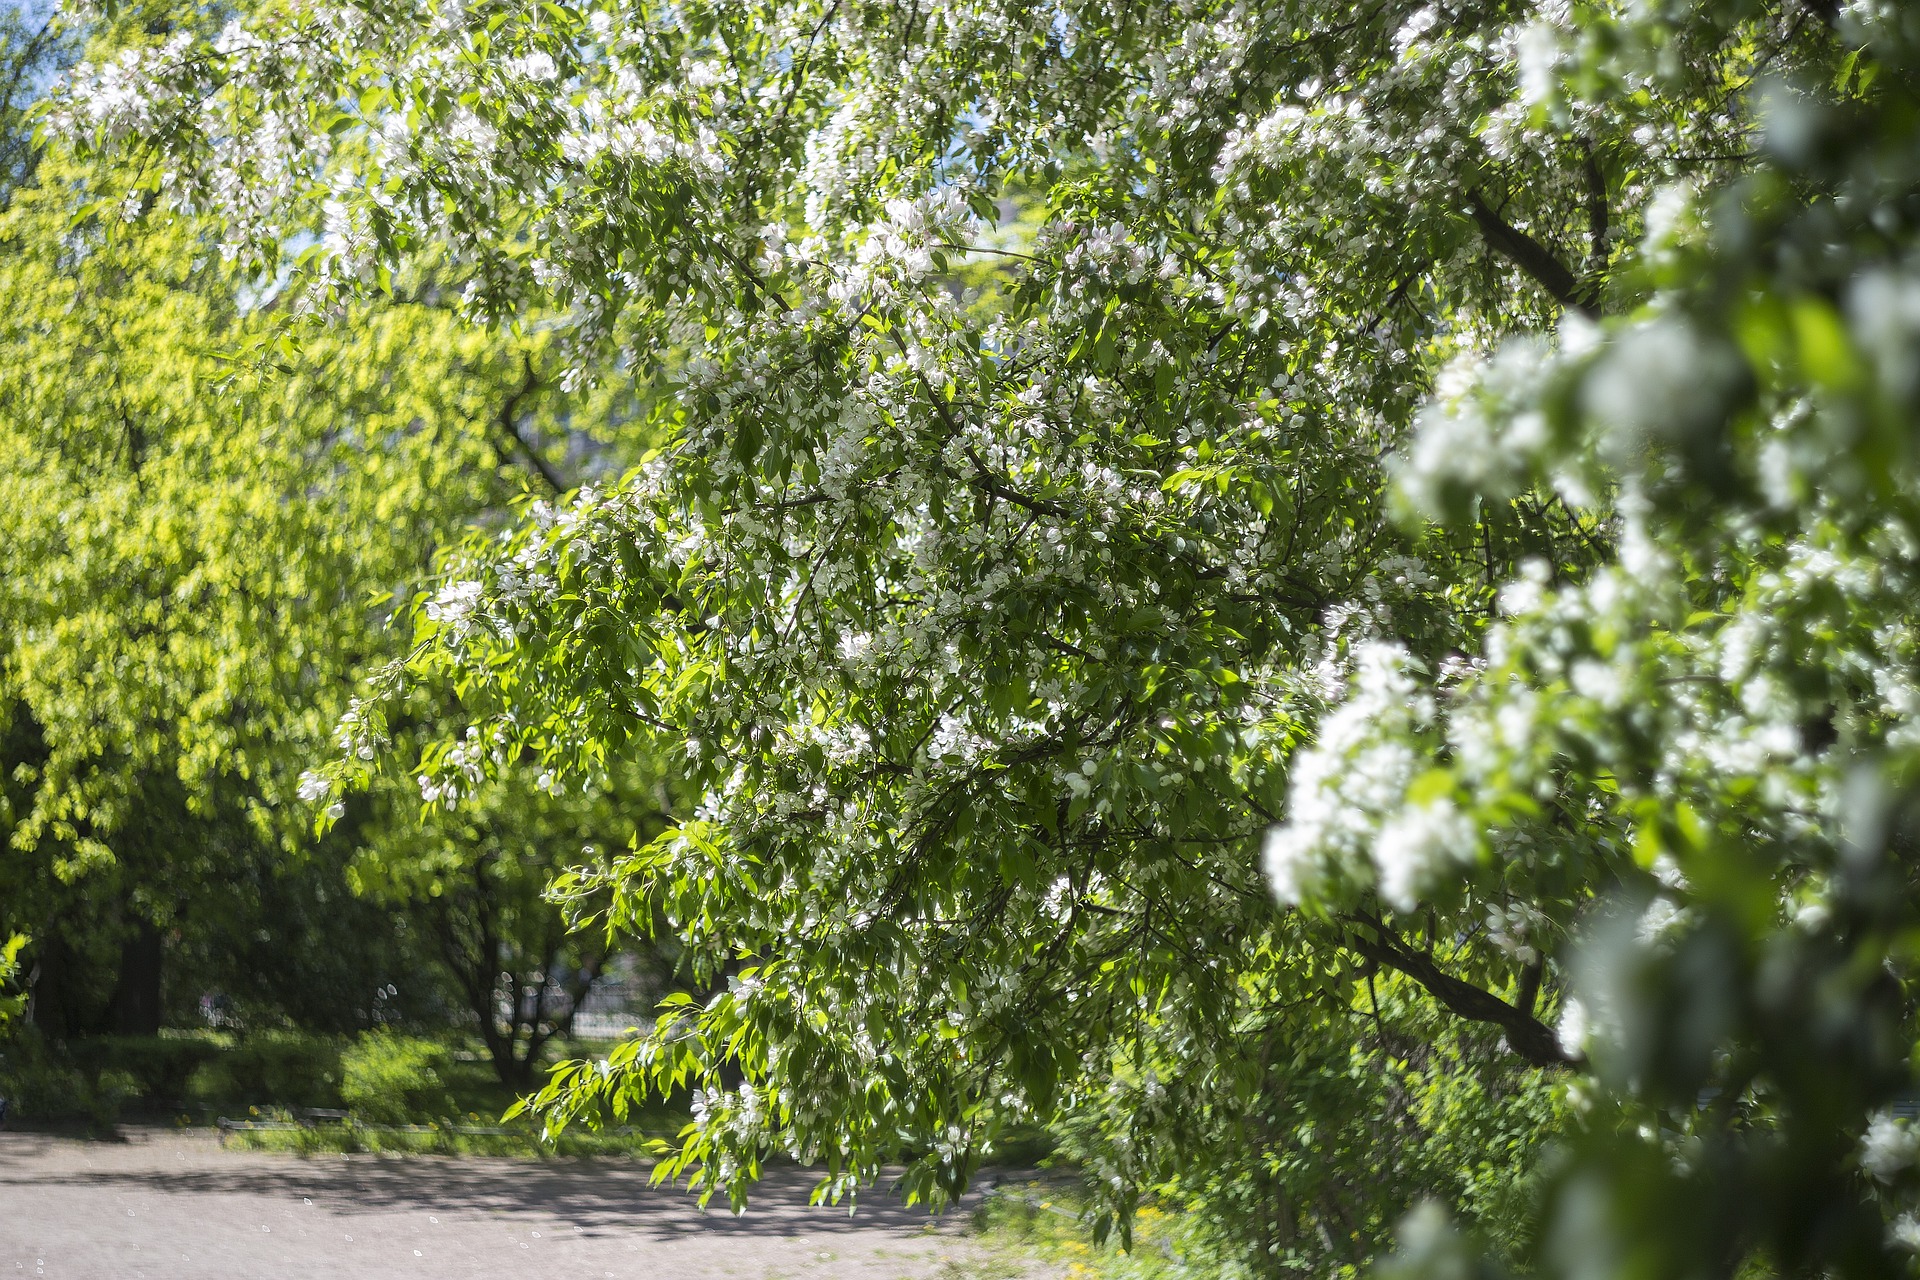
{"points": [[392, 1079], [160, 1067], [40, 1083], [97, 1078], [277, 1068]]}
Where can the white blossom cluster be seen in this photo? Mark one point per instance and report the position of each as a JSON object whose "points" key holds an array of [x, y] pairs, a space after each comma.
{"points": [[1347, 798], [1889, 1148], [1003, 548]]}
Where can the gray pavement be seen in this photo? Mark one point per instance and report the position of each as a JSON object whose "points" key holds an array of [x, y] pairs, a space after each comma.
{"points": [[168, 1203]]}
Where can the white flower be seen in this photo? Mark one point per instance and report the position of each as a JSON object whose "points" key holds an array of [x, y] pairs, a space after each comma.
{"points": [[1538, 48], [1661, 917], [537, 65], [1574, 1028], [1418, 846], [1354, 778], [453, 606], [1888, 1147]]}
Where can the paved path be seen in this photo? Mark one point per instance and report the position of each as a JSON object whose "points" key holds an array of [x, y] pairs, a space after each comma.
{"points": [[173, 1204]]}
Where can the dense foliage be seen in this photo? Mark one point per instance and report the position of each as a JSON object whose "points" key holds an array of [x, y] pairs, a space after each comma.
{"points": [[199, 563], [1694, 769], [1045, 507], [11, 1001]]}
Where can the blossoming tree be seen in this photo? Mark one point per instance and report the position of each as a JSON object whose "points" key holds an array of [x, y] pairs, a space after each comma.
{"points": [[1046, 509]]}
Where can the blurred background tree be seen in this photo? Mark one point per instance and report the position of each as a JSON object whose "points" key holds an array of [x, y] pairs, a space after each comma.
{"points": [[206, 535], [12, 1003]]}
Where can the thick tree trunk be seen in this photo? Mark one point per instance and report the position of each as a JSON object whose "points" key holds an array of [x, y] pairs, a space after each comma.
{"points": [[136, 996]]}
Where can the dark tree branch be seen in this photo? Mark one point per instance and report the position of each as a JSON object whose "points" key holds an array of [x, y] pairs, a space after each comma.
{"points": [[19, 153], [534, 1036], [987, 482], [1598, 212], [1827, 11], [1399, 295], [578, 989], [26, 58], [1526, 1035], [981, 248], [1529, 993], [1529, 255], [509, 425], [984, 478]]}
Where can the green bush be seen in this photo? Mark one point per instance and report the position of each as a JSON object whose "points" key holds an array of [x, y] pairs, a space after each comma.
{"points": [[212, 1083], [160, 1067], [393, 1079], [279, 1068], [12, 1003], [291, 1069], [94, 1079], [41, 1084], [112, 1090]]}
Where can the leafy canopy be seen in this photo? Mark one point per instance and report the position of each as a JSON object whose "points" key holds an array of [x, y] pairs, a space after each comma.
{"points": [[200, 565], [1038, 518]]}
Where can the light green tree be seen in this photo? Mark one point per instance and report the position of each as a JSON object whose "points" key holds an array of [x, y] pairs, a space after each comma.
{"points": [[199, 563]]}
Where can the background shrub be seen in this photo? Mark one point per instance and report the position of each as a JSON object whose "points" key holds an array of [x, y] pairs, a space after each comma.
{"points": [[395, 1079], [282, 1068], [43, 1085], [159, 1067]]}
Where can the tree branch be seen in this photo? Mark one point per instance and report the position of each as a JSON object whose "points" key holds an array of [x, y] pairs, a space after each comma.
{"points": [[984, 478], [1598, 212], [1529, 255], [1529, 993], [987, 482], [1526, 1035], [510, 427]]}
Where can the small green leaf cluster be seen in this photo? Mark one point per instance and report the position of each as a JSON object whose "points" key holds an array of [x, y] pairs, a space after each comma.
{"points": [[12, 1003]]}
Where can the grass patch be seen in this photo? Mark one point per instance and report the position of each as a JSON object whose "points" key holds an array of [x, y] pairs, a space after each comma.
{"points": [[437, 1139], [1020, 1224]]}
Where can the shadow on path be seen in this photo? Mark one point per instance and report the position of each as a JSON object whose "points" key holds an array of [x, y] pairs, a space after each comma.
{"points": [[592, 1195]]}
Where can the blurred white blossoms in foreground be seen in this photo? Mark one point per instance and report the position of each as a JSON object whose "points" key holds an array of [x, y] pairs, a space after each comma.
{"points": [[1345, 809], [1889, 1148]]}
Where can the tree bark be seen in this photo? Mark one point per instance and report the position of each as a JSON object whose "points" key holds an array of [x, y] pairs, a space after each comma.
{"points": [[1529, 255], [509, 424], [1527, 1036], [47, 1004]]}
